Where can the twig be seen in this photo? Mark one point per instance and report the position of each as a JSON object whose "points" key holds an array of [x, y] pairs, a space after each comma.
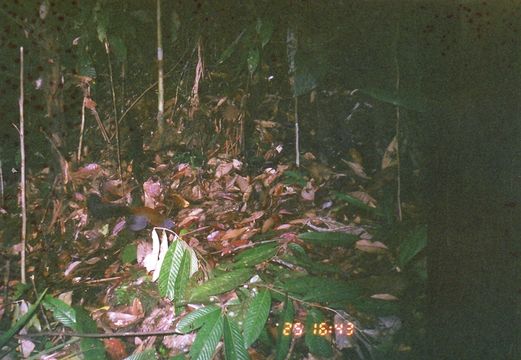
{"points": [[22, 167], [397, 86], [100, 336], [1, 185], [118, 151], [82, 129], [160, 75]]}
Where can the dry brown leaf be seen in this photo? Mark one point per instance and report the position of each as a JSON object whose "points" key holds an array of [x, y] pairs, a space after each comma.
{"points": [[390, 156], [358, 169], [254, 216], [243, 183], [308, 192], [223, 169], [370, 247], [364, 197], [234, 233]]}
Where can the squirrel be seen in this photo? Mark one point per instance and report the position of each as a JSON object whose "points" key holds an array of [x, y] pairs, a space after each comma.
{"points": [[138, 218]]}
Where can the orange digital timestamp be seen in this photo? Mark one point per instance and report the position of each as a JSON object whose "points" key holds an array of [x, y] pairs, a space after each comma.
{"points": [[319, 329]]}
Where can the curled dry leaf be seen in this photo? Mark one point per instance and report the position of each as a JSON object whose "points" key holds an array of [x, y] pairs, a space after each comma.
{"points": [[243, 183], [223, 169], [308, 192], [370, 247]]}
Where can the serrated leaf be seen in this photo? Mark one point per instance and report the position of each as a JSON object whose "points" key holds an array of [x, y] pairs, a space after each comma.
{"points": [[5, 337], [284, 338], [61, 312], [253, 60], [174, 273], [256, 316], [255, 256], [196, 318], [207, 338], [412, 245], [234, 348], [316, 343], [332, 239], [221, 284]]}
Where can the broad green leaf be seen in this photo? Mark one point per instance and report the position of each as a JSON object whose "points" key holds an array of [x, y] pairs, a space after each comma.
{"points": [[230, 49], [92, 349], [358, 204], [322, 289], [129, 254], [265, 29], [256, 316], [256, 255], [316, 329], [20, 323], [284, 331], [412, 245], [221, 284], [197, 318], [61, 312], [174, 271], [253, 60], [149, 354], [407, 101], [119, 48], [207, 338], [331, 239], [233, 341]]}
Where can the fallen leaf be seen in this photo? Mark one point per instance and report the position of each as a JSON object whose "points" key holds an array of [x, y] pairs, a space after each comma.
{"points": [[370, 247]]}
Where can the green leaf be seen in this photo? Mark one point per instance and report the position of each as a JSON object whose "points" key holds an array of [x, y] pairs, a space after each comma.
{"points": [[119, 48], [415, 242], [207, 338], [284, 330], [265, 29], [332, 239], [233, 341], [253, 60], [358, 204], [91, 348], [316, 343], [407, 101], [256, 316], [256, 255], [197, 318], [149, 354], [322, 289], [230, 49], [221, 284], [62, 312], [24, 319], [129, 254], [175, 271]]}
